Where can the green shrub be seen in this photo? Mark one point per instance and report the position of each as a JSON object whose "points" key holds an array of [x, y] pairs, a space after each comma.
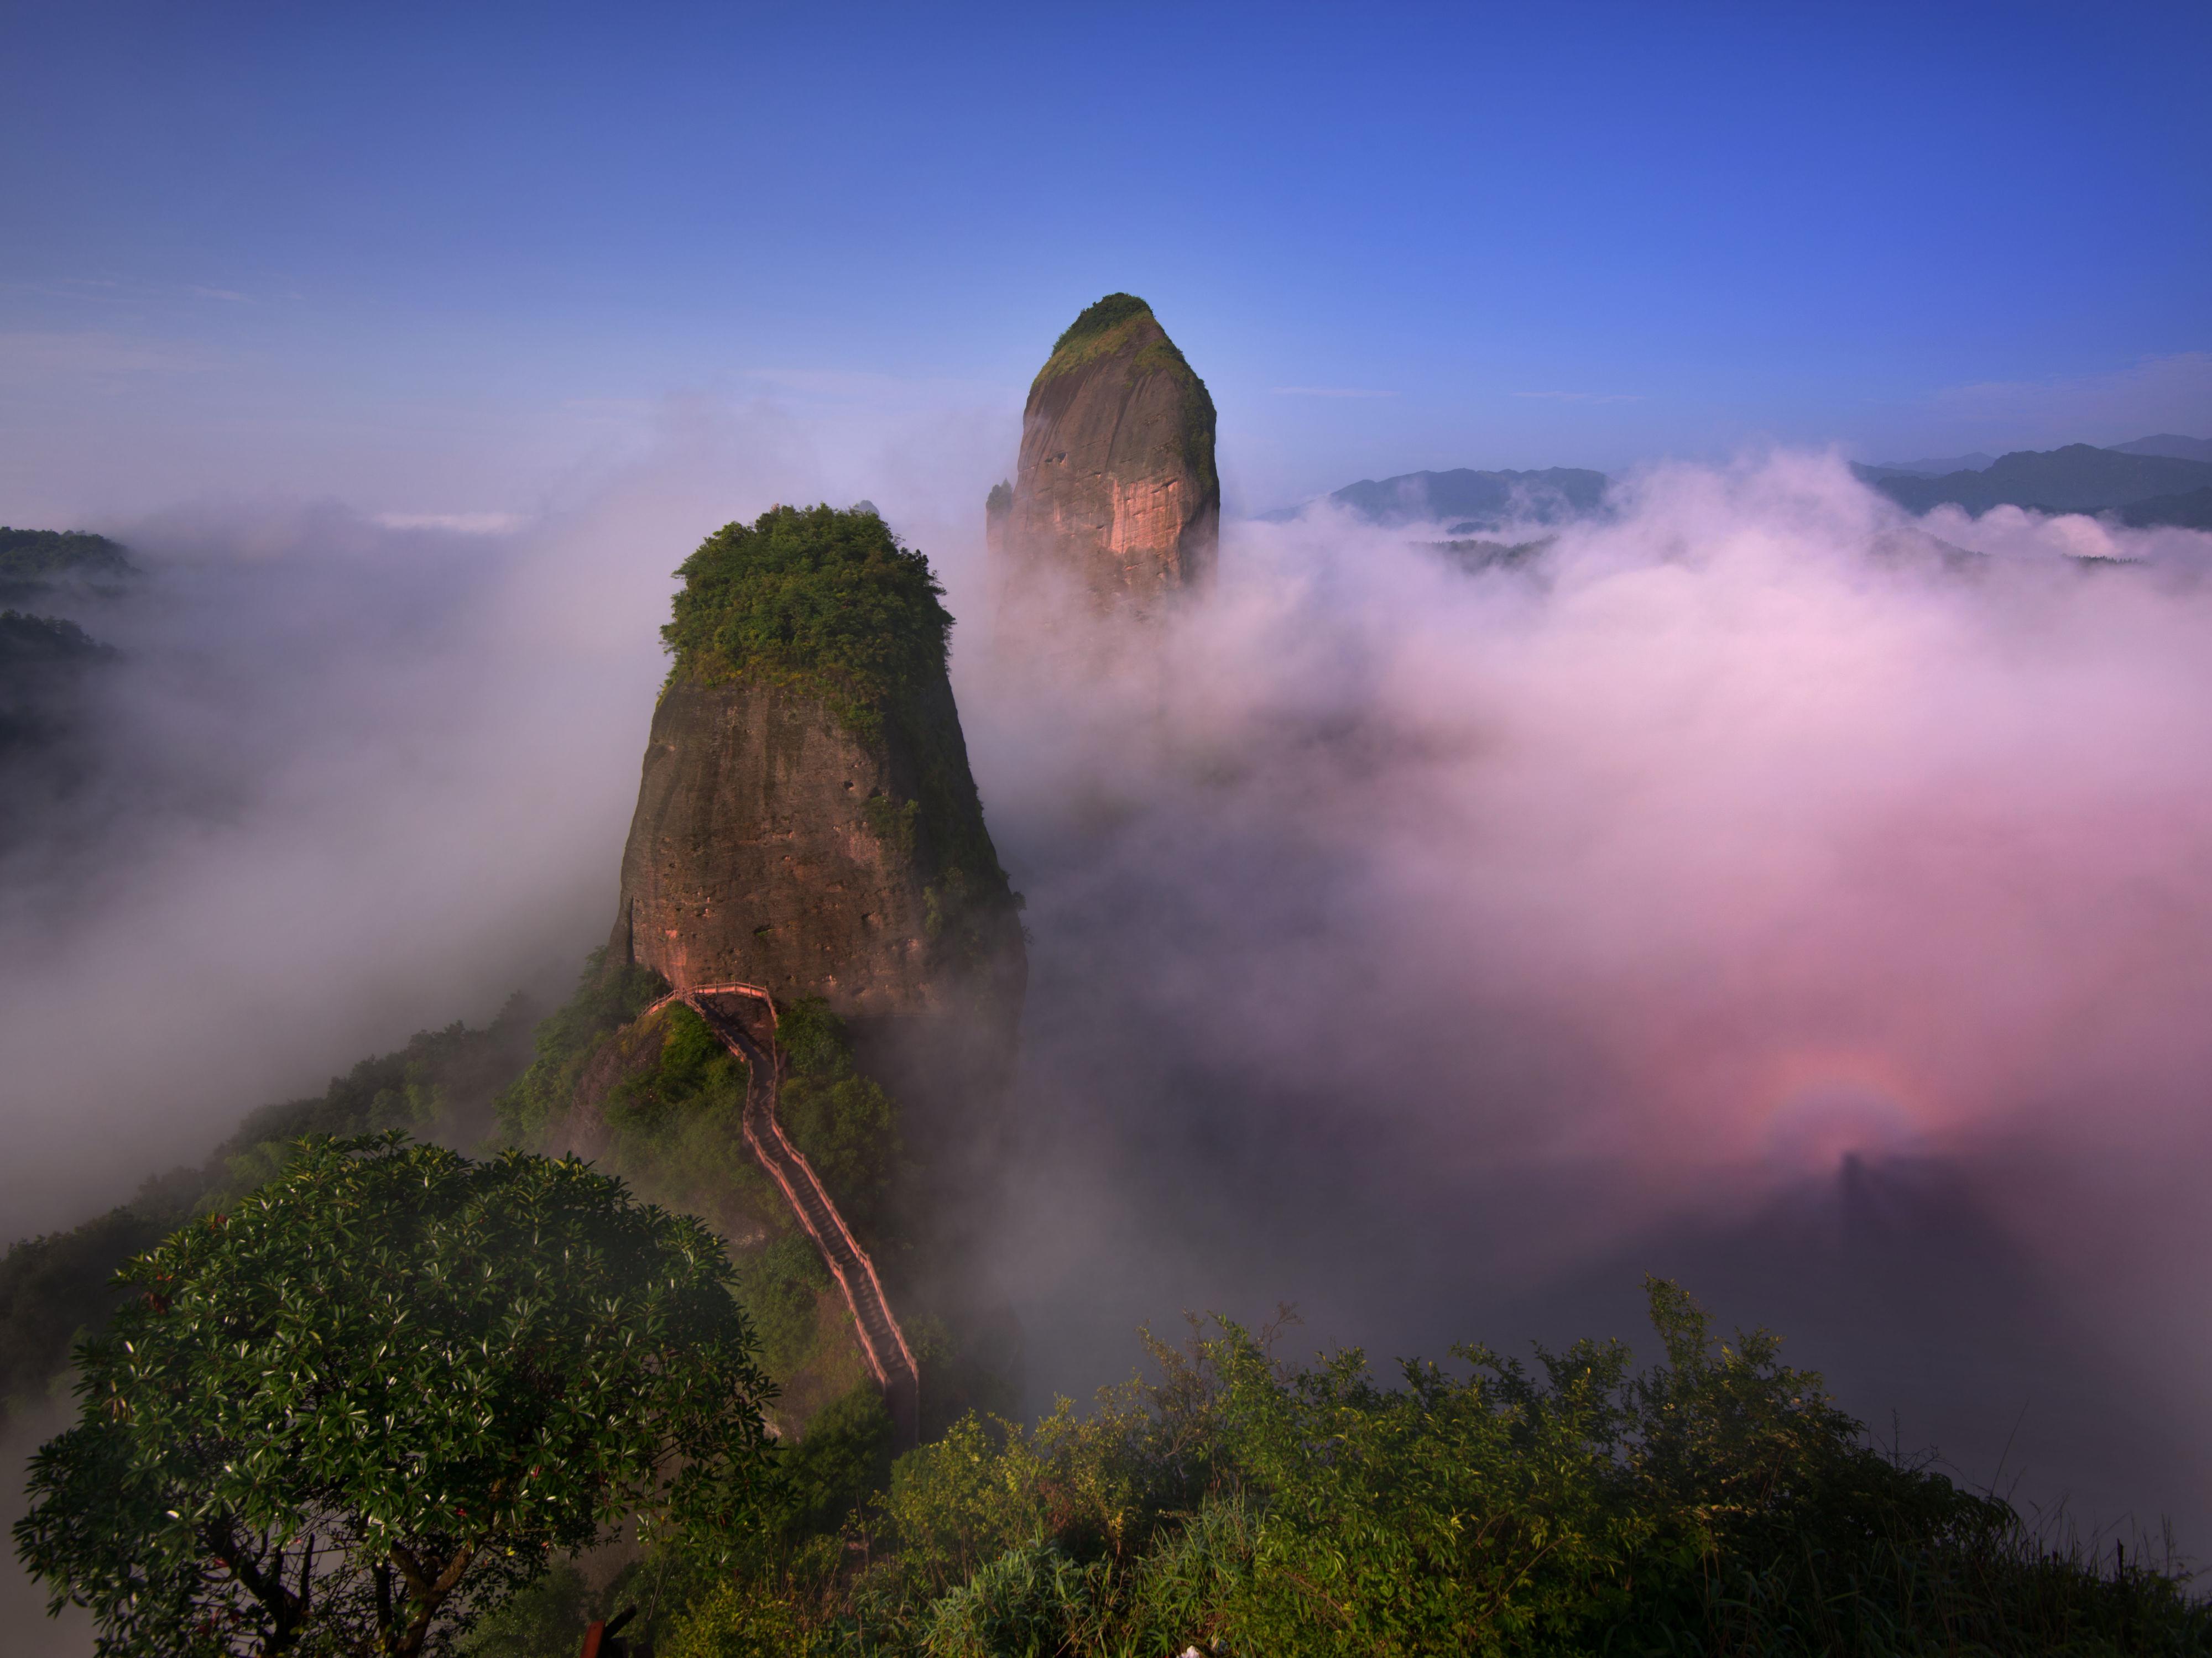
{"points": [[843, 1121], [1717, 1502], [367, 1403], [742, 1619], [1185, 1586], [546, 1618], [963, 1500], [844, 1458], [607, 998], [780, 1286], [1030, 1602], [822, 600], [694, 1069]]}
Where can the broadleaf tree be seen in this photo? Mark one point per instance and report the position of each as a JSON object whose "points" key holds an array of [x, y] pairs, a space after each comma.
{"points": [[381, 1394]]}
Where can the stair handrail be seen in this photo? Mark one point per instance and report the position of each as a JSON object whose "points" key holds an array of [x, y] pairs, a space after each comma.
{"points": [[689, 996]]}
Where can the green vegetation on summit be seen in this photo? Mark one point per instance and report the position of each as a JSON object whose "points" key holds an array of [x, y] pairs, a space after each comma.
{"points": [[1097, 328], [806, 818], [816, 598], [1107, 325]]}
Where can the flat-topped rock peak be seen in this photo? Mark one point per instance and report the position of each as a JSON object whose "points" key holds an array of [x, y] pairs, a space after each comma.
{"points": [[806, 820]]}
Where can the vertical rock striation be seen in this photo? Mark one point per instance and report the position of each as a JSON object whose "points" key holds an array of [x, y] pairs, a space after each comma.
{"points": [[1116, 490], [806, 820]]}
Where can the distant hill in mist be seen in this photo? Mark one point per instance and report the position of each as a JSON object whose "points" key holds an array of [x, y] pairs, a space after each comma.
{"points": [[41, 657], [49, 666], [2151, 481], [1973, 463], [2077, 478], [1481, 500], [2166, 443], [38, 566], [2191, 511]]}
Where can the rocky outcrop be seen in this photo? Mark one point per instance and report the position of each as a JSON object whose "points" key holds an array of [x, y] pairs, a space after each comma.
{"points": [[772, 846], [806, 820], [1116, 490]]}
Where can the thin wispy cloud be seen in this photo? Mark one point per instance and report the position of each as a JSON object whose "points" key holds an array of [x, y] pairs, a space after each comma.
{"points": [[846, 385], [466, 524], [97, 352], [111, 291], [1585, 396], [1329, 392]]}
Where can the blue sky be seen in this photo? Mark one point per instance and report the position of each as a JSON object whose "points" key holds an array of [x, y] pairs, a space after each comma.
{"points": [[437, 258]]}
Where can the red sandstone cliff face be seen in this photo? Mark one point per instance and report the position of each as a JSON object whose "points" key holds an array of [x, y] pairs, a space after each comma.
{"points": [[1116, 490], [772, 846]]}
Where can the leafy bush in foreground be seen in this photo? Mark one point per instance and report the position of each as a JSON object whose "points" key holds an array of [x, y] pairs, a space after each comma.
{"points": [[374, 1399], [1717, 1502], [58, 1288]]}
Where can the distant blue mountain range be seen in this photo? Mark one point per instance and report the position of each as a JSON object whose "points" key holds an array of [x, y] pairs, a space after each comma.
{"points": [[1480, 500], [1973, 463], [2079, 477], [2165, 479], [2166, 443]]}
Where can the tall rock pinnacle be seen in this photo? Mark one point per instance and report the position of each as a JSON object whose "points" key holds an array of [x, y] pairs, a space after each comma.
{"points": [[1116, 490], [806, 820]]}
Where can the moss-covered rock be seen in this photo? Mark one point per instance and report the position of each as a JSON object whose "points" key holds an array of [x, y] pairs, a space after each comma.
{"points": [[1116, 491], [806, 820]]}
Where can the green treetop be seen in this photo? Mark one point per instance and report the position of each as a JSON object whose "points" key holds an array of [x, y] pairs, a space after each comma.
{"points": [[371, 1400], [822, 600]]}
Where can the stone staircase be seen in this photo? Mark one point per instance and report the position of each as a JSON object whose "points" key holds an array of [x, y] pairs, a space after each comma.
{"points": [[743, 1017]]}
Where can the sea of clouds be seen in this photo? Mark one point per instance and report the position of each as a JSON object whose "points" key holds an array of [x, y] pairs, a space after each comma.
{"points": [[1757, 887]]}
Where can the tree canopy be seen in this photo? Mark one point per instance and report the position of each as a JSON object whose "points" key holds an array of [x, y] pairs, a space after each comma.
{"points": [[815, 598], [373, 1398]]}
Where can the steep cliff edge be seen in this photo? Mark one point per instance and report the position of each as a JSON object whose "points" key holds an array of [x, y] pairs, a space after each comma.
{"points": [[807, 824], [806, 820], [1116, 490]]}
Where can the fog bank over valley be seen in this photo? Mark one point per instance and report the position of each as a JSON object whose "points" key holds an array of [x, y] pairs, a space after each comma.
{"points": [[1751, 882], [1757, 886]]}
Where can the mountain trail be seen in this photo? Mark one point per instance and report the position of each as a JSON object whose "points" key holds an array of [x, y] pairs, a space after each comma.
{"points": [[743, 1017]]}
